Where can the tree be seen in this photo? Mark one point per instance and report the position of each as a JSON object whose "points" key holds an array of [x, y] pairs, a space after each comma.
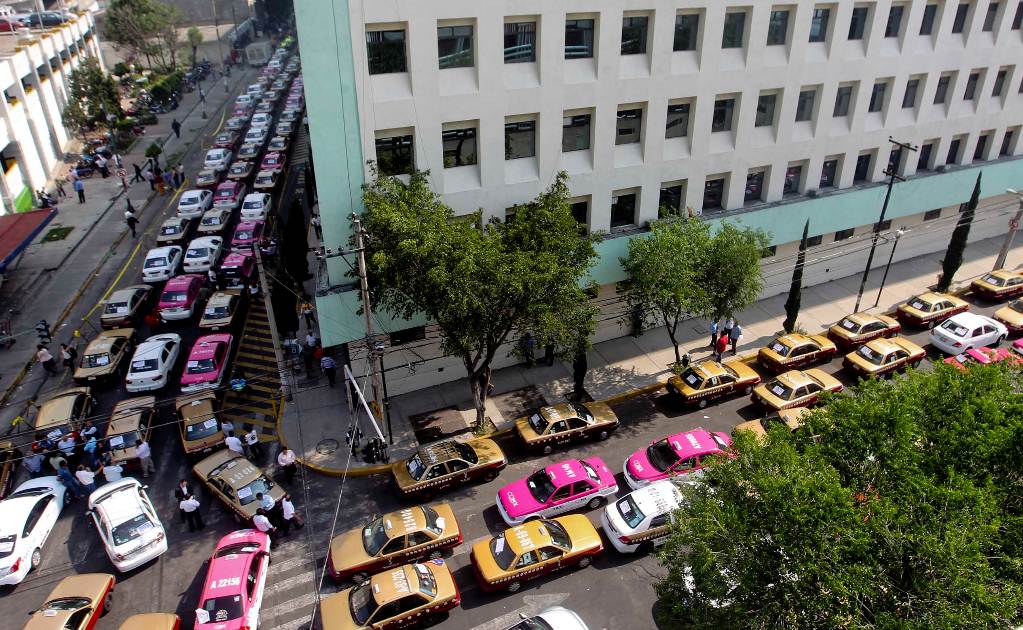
{"points": [[957, 243], [153, 151], [868, 516], [75, 119], [194, 36], [93, 97], [144, 27], [479, 283], [732, 279], [796, 288]]}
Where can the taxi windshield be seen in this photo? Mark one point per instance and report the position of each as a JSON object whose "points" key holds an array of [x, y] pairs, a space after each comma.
{"points": [[466, 452], [252, 205], [850, 325], [538, 422], [115, 307], [920, 304], [202, 366], [223, 608], [427, 583], [592, 474], [583, 412], [237, 549], [630, 512], [217, 311], [870, 355], [130, 529], [362, 603], [540, 486], [503, 556], [214, 219], [96, 360], [170, 230], [374, 537], [1016, 305], [66, 603], [956, 329], [123, 440], [661, 455], [692, 379], [415, 467], [199, 430], [781, 349], [779, 389]]}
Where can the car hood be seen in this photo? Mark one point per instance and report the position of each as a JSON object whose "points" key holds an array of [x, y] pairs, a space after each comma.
{"points": [[517, 500], [347, 551], [638, 465]]}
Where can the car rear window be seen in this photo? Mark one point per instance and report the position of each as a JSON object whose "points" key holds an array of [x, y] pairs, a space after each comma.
{"points": [[174, 296], [203, 429], [201, 366], [251, 205], [243, 235], [152, 263], [237, 549], [131, 529], [503, 556], [956, 329], [170, 230], [96, 360], [7, 545], [197, 252], [115, 308], [144, 365], [779, 389], [223, 608]]}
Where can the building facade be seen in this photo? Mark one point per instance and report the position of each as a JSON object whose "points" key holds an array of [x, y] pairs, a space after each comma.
{"points": [[763, 113]]}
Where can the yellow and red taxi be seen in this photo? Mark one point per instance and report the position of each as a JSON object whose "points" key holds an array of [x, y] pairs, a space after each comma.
{"points": [[795, 350], [444, 465], [152, 621], [859, 328], [702, 382], [200, 428], [792, 419], [984, 356], [930, 309], [1000, 284], [563, 424], [393, 539], [78, 601], [528, 551], [1011, 315], [236, 482], [795, 388], [883, 357], [405, 597]]}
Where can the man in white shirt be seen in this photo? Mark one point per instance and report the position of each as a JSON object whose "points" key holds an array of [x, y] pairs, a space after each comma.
{"points": [[263, 524], [189, 506], [112, 472], [233, 443], [287, 515], [67, 445], [86, 477], [286, 460], [252, 442], [88, 430], [226, 426], [145, 455]]}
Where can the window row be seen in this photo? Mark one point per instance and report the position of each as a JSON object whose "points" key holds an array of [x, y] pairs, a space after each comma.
{"points": [[387, 50]]}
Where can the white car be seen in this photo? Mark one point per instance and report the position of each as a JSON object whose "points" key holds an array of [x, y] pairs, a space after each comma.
{"points": [[193, 203], [243, 99], [257, 135], [256, 206], [261, 120], [255, 90], [553, 618], [203, 253], [965, 331], [30, 512], [218, 159], [152, 363], [127, 523], [642, 517], [161, 263]]}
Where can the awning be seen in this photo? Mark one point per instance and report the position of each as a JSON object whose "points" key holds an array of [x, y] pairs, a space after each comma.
{"points": [[17, 231]]}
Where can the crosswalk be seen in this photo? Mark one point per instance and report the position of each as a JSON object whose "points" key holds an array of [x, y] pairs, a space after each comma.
{"points": [[258, 403], [290, 595]]}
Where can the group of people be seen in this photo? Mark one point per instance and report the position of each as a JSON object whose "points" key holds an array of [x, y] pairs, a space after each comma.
{"points": [[721, 335], [68, 357], [160, 180], [313, 353], [275, 518]]}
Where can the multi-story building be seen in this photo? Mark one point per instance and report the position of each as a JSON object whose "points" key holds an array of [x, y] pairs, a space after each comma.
{"points": [[764, 113]]}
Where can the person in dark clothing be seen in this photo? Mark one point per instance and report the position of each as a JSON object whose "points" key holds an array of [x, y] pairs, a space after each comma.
{"points": [[131, 219], [180, 494], [176, 126], [190, 507], [80, 189], [138, 174], [329, 367]]}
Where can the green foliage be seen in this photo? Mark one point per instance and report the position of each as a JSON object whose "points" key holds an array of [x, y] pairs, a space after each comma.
{"points": [[732, 279], [74, 117], [957, 243], [120, 69], [92, 96], [793, 302], [154, 151], [146, 28], [895, 508], [162, 87], [194, 37], [479, 283]]}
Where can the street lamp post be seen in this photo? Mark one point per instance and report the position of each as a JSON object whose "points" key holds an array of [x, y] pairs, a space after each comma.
{"points": [[1013, 226], [898, 234]]}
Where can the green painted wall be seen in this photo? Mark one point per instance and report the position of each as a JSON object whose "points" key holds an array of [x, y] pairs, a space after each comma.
{"points": [[23, 201]]}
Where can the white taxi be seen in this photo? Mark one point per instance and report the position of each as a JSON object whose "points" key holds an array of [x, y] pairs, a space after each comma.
{"points": [[127, 524], [640, 520]]}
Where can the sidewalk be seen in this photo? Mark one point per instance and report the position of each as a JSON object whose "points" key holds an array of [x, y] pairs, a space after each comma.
{"points": [[318, 417]]}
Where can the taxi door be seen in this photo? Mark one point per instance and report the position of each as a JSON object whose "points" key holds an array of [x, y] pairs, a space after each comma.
{"points": [[559, 433]]}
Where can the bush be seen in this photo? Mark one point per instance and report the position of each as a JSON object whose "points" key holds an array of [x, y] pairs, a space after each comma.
{"points": [[162, 87], [120, 69]]}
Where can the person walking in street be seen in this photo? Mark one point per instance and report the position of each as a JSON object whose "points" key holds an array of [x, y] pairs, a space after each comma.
{"points": [[263, 524], [138, 174], [252, 442], [735, 335], [68, 356], [69, 481], [288, 516], [176, 127], [45, 359], [309, 359], [60, 188], [317, 227], [179, 172], [286, 461], [101, 164], [113, 472], [307, 313], [189, 506], [168, 181], [34, 465], [80, 189], [145, 455], [151, 178], [211, 277], [130, 218], [181, 493], [720, 346], [118, 160], [714, 325], [233, 443], [329, 368], [55, 461], [87, 478], [311, 340]]}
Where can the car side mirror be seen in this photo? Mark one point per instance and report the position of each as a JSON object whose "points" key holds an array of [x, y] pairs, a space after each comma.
{"points": [[145, 487]]}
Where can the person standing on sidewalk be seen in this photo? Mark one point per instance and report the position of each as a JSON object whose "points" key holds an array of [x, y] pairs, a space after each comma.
{"points": [[130, 218], [145, 455], [329, 368], [714, 324], [720, 346], [151, 178], [179, 172], [726, 330], [317, 227], [286, 460], [80, 189], [307, 313], [288, 516], [168, 180], [735, 335], [60, 188], [176, 127], [45, 359], [101, 164], [189, 506], [138, 174], [68, 355]]}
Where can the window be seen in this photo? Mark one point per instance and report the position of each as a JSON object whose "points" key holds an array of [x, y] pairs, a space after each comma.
{"points": [[819, 25], [953, 152], [909, 98], [385, 51], [894, 159], [877, 96], [828, 173], [670, 201], [520, 42], [580, 211], [1006, 143], [841, 235], [971, 86], [735, 27], [981, 150], [814, 241], [623, 210], [629, 126], [634, 35], [408, 335], [778, 28], [804, 106], [687, 27], [519, 139], [677, 125], [395, 155], [578, 39], [862, 171], [793, 177], [894, 21], [941, 91], [996, 90], [959, 23], [454, 46], [858, 22], [459, 147], [754, 187], [713, 194], [842, 99], [989, 17], [931, 215], [1017, 19], [923, 163], [765, 110], [575, 133], [927, 24], [723, 109]]}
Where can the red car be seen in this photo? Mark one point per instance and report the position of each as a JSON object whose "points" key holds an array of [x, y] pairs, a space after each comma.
{"points": [[180, 296], [207, 363], [273, 162], [985, 356], [247, 235], [226, 140]]}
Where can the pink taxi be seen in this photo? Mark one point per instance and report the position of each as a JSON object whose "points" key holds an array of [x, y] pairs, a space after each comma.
{"points": [[680, 454], [229, 195], [556, 489], [247, 234], [985, 356], [235, 581], [179, 298], [207, 363], [273, 161], [237, 270]]}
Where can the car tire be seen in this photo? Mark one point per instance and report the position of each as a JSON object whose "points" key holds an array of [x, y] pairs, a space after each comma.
{"points": [[490, 475], [585, 562], [748, 390], [108, 603], [604, 435], [436, 555], [514, 587], [548, 449], [999, 341], [595, 502], [702, 404], [36, 559]]}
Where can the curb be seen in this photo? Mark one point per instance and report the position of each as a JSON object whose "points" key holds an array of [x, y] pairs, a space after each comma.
{"points": [[361, 471]]}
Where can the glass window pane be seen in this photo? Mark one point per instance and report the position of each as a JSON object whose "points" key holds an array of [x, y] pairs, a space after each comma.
{"points": [[520, 42], [519, 139], [927, 24], [395, 155], [862, 168], [842, 100], [828, 173], [677, 125], [723, 110], [894, 21], [735, 26], [804, 106], [971, 86], [996, 90], [979, 152], [858, 22], [754, 187], [778, 28], [819, 25], [959, 23], [670, 202], [623, 210], [687, 27], [1017, 18], [793, 178], [580, 210], [1006, 143], [454, 46], [634, 35], [459, 147], [629, 126], [575, 134], [989, 17], [877, 97], [909, 98], [713, 194], [924, 162], [578, 39], [765, 110], [941, 91], [385, 51]]}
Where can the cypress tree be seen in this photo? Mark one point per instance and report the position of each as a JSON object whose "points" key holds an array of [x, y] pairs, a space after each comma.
{"points": [[796, 289], [957, 244]]}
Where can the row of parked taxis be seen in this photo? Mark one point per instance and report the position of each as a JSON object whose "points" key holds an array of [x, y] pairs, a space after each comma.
{"points": [[216, 226]]}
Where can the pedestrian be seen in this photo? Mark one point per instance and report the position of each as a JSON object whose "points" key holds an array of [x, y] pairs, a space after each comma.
{"points": [[80, 189], [329, 368], [89, 450], [101, 164], [88, 430], [735, 335], [233, 443], [45, 359], [138, 174], [211, 277], [145, 455], [309, 359], [118, 160], [202, 94], [286, 460], [307, 313], [66, 445], [311, 340], [72, 174], [181, 493], [34, 464], [288, 516], [263, 524], [130, 219], [56, 458], [87, 478], [528, 346], [151, 178], [176, 127], [68, 356], [226, 426], [112, 472], [180, 173], [189, 506], [317, 227], [267, 503], [714, 325], [726, 330], [168, 181], [69, 481], [60, 188], [252, 441], [720, 346], [253, 289]]}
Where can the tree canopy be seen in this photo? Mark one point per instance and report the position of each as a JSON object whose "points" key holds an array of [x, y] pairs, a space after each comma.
{"points": [[898, 507], [93, 96], [146, 28]]}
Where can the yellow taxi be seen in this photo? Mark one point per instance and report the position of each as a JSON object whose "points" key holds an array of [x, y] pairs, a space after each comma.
{"points": [[882, 357], [78, 601], [221, 309], [236, 481], [445, 465], [535, 548], [795, 350], [790, 418], [1011, 315], [930, 309], [392, 539], [131, 419], [64, 411], [105, 356], [405, 597], [563, 424], [1000, 284], [704, 381], [201, 432], [859, 328], [795, 388], [152, 621]]}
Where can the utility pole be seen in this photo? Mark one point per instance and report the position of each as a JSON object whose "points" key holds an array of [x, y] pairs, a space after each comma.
{"points": [[893, 175], [220, 45], [898, 234], [374, 349], [1013, 226]]}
